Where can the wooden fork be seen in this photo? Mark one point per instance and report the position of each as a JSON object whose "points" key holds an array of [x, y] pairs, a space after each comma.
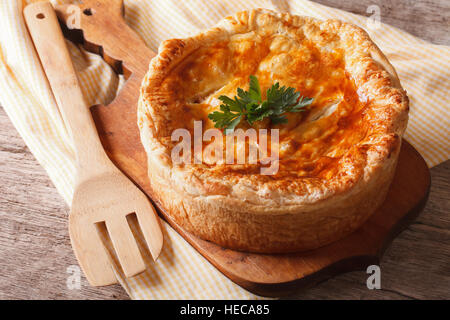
{"points": [[103, 194]]}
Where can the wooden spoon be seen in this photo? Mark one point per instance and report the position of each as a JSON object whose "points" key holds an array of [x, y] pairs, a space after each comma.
{"points": [[103, 194]]}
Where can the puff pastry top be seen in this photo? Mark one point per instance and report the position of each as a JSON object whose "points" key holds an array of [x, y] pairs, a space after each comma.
{"points": [[358, 114]]}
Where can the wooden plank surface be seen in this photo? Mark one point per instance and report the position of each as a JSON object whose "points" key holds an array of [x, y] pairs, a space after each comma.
{"points": [[426, 19], [35, 249]]}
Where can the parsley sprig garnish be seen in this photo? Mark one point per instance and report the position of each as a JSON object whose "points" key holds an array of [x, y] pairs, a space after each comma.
{"points": [[249, 106]]}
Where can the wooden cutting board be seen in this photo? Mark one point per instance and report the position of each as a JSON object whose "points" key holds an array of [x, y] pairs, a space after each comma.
{"points": [[104, 31]]}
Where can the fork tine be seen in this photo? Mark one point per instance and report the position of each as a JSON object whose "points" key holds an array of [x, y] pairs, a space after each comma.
{"points": [[125, 245], [151, 229], [90, 253]]}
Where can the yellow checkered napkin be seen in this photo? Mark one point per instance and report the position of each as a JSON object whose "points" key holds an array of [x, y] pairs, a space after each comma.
{"points": [[180, 272]]}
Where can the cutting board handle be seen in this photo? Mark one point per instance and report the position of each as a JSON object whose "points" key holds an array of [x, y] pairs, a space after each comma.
{"points": [[103, 25]]}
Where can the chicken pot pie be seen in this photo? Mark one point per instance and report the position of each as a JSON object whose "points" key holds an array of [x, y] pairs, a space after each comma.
{"points": [[336, 159]]}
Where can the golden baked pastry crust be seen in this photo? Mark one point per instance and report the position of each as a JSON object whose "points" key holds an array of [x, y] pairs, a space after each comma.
{"points": [[337, 160]]}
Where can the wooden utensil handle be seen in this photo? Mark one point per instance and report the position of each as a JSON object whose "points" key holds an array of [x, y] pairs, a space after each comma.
{"points": [[55, 58]]}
